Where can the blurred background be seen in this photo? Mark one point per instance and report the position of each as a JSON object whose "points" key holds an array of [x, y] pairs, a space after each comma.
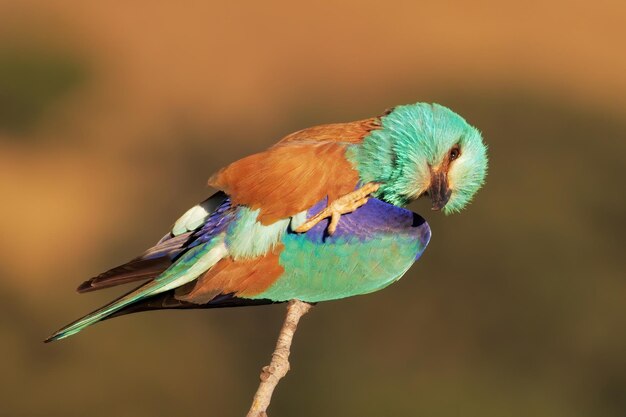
{"points": [[114, 114]]}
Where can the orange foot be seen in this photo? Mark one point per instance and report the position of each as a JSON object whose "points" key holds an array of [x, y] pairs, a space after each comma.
{"points": [[343, 205]]}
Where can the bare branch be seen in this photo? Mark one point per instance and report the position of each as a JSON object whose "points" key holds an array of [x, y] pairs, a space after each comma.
{"points": [[279, 366]]}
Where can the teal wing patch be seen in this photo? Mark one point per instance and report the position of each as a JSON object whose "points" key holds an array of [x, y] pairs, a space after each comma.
{"points": [[371, 248]]}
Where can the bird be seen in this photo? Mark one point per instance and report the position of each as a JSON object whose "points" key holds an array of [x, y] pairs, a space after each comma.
{"points": [[320, 215]]}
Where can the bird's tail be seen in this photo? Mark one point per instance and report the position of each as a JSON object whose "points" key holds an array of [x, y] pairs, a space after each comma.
{"points": [[195, 262], [103, 312], [165, 300]]}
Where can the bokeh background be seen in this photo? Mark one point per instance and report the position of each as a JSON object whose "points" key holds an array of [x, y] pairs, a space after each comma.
{"points": [[113, 115]]}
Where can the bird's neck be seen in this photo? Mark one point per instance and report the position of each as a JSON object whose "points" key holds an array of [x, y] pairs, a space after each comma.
{"points": [[376, 162]]}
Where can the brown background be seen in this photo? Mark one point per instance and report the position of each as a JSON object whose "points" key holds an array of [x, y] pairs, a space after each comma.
{"points": [[113, 115]]}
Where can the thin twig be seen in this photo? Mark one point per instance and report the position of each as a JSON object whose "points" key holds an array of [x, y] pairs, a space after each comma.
{"points": [[279, 366]]}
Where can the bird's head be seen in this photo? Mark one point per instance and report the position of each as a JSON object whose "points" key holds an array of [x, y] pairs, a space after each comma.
{"points": [[423, 149]]}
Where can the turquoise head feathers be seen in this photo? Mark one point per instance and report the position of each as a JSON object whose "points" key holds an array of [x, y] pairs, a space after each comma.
{"points": [[423, 149]]}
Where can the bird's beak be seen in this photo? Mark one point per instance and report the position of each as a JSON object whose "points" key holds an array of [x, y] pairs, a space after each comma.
{"points": [[438, 190]]}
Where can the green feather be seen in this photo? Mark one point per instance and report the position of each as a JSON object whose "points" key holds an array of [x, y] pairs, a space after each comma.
{"points": [[320, 272], [195, 262], [247, 238], [414, 138]]}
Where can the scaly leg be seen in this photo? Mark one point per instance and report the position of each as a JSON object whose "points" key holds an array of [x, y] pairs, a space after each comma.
{"points": [[343, 205]]}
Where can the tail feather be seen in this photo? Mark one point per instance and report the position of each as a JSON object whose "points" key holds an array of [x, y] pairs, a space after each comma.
{"points": [[195, 262], [149, 265], [138, 270], [138, 294], [165, 300], [168, 300], [99, 314]]}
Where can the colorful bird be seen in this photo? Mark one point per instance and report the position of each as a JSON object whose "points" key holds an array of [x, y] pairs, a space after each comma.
{"points": [[316, 217]]}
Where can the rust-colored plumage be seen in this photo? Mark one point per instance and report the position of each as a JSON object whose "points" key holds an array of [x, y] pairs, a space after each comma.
{"points": [[346, 133], [300, 170], [240, 278]]}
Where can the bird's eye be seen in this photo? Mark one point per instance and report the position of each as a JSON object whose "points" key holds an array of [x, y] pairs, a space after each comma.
{"points": [[455, 152]]}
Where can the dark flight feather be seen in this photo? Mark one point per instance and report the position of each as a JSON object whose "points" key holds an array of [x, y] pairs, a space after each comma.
{"points": [[167, 300], [156, 259]]}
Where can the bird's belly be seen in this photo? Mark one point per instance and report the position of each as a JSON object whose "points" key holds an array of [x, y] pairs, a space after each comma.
{"points": [[372, 248]]}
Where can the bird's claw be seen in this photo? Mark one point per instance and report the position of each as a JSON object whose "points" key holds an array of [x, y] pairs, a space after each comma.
{"points": [[343, 205]]}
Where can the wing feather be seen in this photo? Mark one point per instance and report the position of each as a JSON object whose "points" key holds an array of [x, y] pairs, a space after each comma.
{"points": [[297, 172], [190, 228]]}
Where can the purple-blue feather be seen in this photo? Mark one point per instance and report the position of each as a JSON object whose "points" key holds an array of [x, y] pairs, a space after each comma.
{"points": [[371, 220]]}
